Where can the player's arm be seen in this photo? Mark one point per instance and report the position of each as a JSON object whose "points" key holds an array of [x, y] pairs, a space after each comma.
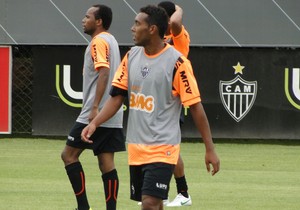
{"points": [[176, 21], [201, 122], [181, 37], [186, 86], [99, 51], [102, 81]]}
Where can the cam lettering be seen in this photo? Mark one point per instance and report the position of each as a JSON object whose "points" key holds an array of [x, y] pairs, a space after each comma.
{"points": [[238, 89], [141, 102]]}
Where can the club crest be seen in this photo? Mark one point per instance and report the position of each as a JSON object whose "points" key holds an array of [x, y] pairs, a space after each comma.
{"points": [[238, 95], [145, 72]]}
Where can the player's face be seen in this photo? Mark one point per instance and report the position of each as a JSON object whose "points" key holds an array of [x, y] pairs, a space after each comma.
{"points": [[141, 30], [89, 21]]}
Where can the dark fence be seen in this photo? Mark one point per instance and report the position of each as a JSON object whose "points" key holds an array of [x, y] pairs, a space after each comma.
{"points": [[22, 89], [247, 92]]}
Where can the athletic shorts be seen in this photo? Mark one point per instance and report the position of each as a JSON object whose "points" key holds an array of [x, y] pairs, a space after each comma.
{"points": [[150, 179], [104, 139]]}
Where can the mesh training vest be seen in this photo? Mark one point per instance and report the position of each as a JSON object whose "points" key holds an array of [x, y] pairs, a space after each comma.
{"points": [[90, 76], [154, 110]]}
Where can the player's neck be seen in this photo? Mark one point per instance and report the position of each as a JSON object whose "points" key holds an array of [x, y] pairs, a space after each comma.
{"points": [[98, 31], [154, 48]]}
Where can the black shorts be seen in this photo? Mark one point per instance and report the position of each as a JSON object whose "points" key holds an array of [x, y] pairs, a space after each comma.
{"points": [[150, 179], [104, 139]]}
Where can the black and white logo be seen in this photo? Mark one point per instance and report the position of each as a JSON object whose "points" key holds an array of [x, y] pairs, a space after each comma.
{"points": [[238, 95], [145, 72]]}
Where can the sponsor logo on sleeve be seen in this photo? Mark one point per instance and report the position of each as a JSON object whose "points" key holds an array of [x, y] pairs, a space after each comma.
{"points": [[185, 82]]}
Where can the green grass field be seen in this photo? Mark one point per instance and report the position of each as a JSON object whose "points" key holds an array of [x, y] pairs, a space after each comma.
{"points": [[253, 176]]}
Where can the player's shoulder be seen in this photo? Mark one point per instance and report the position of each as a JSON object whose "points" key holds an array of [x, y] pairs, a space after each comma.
{"points": [[103, 37], [135, 50], [172, 50]]}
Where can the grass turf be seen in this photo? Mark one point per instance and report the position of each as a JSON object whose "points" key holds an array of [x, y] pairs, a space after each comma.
{"points": [[253, 176]]}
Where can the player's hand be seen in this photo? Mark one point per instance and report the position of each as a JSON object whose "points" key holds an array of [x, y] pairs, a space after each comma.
{"points": [[211, 158], [87, 132]]}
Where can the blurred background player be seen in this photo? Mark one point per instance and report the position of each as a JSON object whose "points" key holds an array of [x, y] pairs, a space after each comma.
{"points": [[177, 36], [102, 58]]}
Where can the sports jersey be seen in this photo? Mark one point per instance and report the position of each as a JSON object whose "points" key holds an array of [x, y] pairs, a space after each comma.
{"points": [[157, 87], [181, 42], [102, 51]]}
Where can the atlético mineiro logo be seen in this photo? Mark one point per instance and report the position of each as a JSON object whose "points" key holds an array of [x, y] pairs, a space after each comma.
{"points": [[238, 95], [145, 71]]}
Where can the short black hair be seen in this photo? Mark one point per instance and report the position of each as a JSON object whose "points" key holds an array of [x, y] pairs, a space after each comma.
{"points": [[156, 16], [168, 6], [104, 13]]}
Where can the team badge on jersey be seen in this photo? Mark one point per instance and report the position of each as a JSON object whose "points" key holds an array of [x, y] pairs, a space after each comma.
{"points": [[292, 87], [238, 95], [145, 72]]}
